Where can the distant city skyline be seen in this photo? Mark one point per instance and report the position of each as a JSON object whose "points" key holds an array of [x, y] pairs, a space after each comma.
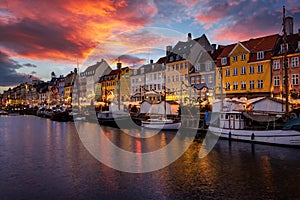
{"points": [[40, 37]]}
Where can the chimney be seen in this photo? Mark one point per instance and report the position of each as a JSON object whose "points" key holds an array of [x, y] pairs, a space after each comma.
{"points": [[214, 47], [119, 65], [189, 38], [289, 25], [168, 50], [151, 61]]}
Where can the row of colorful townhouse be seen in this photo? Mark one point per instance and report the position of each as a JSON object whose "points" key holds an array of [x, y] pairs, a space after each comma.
{"points": [[195, 68], [190, 71]]}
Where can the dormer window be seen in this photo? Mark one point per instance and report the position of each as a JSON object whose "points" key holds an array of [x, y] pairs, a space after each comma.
{"points": [[142, 70], [134, 72], [224, 61], [281, 48], [260, 55]]}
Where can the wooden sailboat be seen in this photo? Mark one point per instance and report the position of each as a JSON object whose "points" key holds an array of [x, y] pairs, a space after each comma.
{"points": [[233, 124]]}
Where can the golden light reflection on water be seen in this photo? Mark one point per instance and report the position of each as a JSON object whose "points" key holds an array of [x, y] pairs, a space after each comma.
{"points": [[267, 172]]}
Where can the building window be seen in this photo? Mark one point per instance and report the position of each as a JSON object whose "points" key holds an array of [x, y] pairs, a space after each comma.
{"points": [[251, 70], [251, 83], [210, 79], [181, 65], [235, 85], [283, 80], [177, 78], [177, 67], [227, 72], [243, 71], [235, 58], [260, 84], [295, 61], [203, 79], [227, 86], [260, 69], [186, 65], [197, 67], [159, 76], [295, 79], [208, 66], [243, 85], [235, 71], [224, 61], [276, 64], [192, 80], [154, 76], [260, 55], [243, 57], [276, 81]]}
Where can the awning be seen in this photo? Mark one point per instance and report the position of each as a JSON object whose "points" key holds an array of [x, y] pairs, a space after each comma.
{"points": [[260, 117]]}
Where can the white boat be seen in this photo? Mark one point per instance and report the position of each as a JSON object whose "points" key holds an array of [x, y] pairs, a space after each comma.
{"points": [[112, 118], [162, 124], [233, 125]]}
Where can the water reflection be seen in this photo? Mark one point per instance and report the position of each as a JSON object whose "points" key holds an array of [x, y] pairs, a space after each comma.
{"points": [[41, 159]]}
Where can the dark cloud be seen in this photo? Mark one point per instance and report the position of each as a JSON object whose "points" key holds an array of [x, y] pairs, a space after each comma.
{"points": [[33, 72], [129, 59], [33, 38], [9, 76], [29, 65]]}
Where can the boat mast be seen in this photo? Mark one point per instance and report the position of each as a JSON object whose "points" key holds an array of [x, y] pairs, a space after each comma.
{"points": [[221, 87], [119, 66], [285, 66], [78, 85], [164, 91]]}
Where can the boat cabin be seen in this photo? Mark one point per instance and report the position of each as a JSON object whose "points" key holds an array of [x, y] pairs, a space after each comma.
{"points": [[232, 120]]}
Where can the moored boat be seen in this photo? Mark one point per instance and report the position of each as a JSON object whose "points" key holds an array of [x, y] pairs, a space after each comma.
{"points": [[162, 124], [234, 126]]}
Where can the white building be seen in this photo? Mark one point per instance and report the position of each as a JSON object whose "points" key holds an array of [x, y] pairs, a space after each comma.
{"points": [[88, 80], [147, 82]]}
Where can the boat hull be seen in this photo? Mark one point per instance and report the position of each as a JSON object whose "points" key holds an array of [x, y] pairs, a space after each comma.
{"points": [[275, 137], [161, 125]]}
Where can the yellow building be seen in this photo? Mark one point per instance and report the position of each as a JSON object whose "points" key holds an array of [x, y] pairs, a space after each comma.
{"points": [[244, 68], [109, 85]]}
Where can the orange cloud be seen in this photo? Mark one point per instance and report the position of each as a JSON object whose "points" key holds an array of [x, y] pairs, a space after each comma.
{"points": [[64, 30]]}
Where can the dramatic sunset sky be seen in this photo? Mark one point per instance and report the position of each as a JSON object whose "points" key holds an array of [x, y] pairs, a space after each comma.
{"points": [[38, 37]]}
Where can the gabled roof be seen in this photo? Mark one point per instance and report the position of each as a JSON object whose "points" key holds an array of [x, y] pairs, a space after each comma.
{"points": [[94, 67], [162, 60], [261, 44], [182, 49], [226, 50], [238, 44], [265, 43]]}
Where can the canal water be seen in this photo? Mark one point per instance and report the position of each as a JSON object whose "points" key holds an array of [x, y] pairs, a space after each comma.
{"points": [[43, 159]]}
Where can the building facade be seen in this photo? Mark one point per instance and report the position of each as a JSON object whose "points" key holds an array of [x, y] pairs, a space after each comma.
{"points": [[293, 70], [244, 68]]}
